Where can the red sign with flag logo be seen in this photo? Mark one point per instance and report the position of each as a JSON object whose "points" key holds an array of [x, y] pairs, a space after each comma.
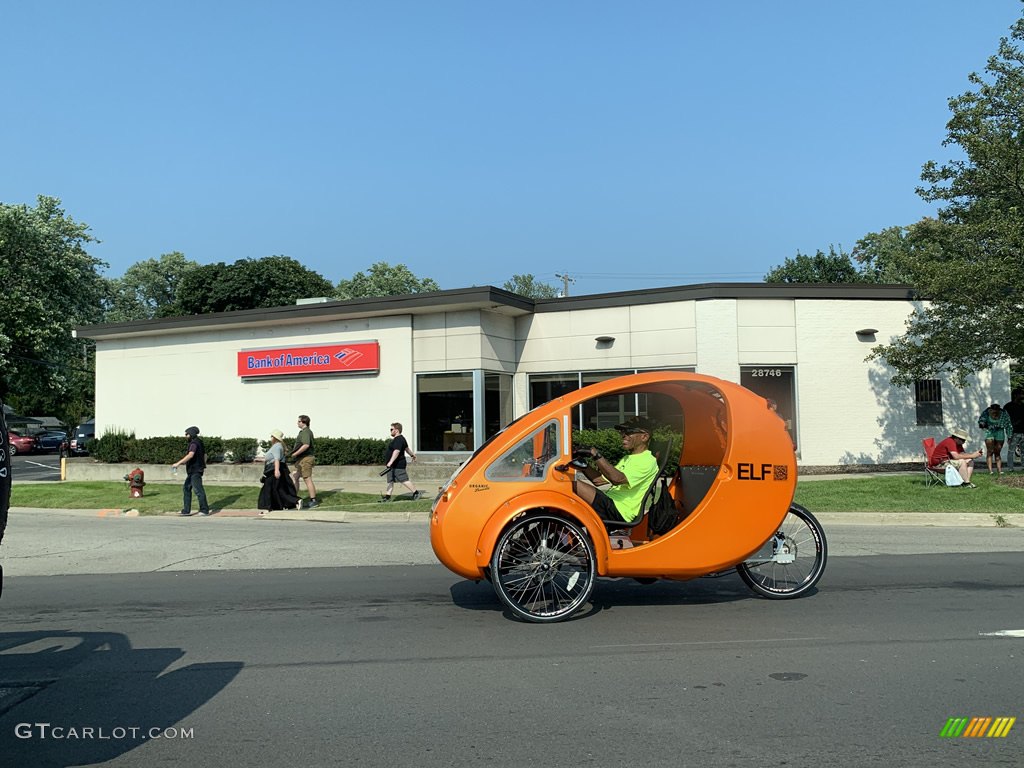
{"points": [[360, 357]]}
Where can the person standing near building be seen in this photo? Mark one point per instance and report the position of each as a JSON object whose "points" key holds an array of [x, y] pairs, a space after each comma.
{"points": [[998, 428], [302, 453], [195, 465], [396, 467], [1015, 444], [277, 490]]}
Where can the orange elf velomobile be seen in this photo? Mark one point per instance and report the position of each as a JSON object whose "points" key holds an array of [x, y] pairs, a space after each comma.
{"points": [[514, 513]]}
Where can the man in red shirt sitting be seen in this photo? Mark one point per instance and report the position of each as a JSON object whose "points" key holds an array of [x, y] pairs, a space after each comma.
{"points": [[951, 452]]}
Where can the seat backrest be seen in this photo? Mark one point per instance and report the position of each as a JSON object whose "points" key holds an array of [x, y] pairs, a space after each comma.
{"points": [[929, 448]]}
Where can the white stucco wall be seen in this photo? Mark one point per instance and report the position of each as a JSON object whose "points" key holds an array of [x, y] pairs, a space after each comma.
{"points": [[160, 385], [848, 412]]}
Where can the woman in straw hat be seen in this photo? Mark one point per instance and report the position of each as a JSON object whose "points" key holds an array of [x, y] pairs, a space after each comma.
{"points": [[278, 491]]}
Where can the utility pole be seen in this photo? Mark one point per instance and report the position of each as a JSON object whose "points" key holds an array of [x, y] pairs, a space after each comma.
{"points": [[566, 279]]}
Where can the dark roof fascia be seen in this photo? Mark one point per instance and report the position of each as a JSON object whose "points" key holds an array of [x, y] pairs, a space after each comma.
{"points": [[485, 297], [707, 291]]}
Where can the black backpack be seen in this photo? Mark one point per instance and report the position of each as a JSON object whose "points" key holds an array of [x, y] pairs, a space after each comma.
{"points": [[663, 515]]}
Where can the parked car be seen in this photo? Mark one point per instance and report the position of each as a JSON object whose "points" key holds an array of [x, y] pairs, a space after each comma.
{"points": [[81, 436], [20, 443], [51, 442]]}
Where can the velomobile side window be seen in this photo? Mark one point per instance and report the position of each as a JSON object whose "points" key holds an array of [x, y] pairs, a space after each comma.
{"points": [[528, 459]]}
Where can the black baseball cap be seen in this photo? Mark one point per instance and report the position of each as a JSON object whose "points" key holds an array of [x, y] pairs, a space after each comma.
{"points": [[633, 426]]}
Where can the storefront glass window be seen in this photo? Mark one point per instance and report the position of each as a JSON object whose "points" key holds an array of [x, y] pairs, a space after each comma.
{"points": [[776, 383], [599, 413], [444, 406], [497, 403]]}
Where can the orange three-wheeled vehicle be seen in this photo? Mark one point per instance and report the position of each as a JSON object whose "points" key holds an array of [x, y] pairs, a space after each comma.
{"points": [[722, 498]]}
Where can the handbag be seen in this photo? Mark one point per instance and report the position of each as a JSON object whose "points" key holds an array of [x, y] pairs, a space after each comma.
{"points": [[953, 478]]}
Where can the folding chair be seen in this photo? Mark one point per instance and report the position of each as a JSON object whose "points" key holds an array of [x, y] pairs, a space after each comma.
{"points": [[932, 475]]}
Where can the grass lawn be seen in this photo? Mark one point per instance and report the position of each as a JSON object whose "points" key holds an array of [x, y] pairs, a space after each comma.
{"points": [[899, 493], [161, 498], [907, 493]]}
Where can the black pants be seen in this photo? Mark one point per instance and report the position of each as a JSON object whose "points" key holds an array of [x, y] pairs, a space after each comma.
{"points": [[194, 482]]}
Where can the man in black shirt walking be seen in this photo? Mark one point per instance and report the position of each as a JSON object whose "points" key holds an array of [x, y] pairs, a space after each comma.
{"points": [[195, 465]]}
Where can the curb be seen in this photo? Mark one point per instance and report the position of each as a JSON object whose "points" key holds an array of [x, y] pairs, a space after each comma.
{"points": [[922, 519]]}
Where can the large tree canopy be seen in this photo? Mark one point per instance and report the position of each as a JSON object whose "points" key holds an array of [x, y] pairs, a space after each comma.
{"points": [[50, 285], [273, 281], [968, 262], [384, 280], [147, 289]]}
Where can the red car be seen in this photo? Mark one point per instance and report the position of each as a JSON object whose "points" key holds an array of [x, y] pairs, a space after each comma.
{"points": [[20, 443]]}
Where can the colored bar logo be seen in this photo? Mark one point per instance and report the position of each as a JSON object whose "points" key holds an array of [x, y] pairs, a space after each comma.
{"points": [[977, 727], [358, 357]]}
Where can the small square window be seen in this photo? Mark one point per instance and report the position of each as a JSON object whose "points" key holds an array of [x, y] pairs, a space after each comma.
{"points": [[928, 398]]}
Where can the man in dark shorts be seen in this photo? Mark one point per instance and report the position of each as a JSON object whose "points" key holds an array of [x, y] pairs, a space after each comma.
{"points": [[395, 463], [630, 477]]}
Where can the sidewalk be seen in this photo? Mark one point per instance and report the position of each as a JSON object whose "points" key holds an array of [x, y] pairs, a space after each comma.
{"points": [[401, 512]]}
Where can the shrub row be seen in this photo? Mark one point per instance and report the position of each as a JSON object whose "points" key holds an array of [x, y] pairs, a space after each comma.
{"points": [[118, 447], [609, 442]]}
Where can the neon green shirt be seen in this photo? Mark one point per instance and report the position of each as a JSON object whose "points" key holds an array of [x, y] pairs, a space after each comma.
{"points": [[639, 469]]}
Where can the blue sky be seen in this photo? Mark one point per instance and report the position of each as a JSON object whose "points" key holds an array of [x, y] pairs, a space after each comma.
{"points": [[628, 144]]}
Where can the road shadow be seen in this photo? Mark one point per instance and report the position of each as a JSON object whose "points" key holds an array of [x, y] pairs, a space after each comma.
{"points": [[56, 685], [619, 592]]}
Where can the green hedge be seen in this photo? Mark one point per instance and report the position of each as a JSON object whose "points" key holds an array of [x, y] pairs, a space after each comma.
{"points": [[119, 447], [609, 442]]}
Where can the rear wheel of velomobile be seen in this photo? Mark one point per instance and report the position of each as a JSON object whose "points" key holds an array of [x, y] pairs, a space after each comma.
{"points": [[791, 561], [543, 568]]}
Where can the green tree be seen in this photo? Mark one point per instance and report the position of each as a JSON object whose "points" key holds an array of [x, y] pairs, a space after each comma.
{"points": [[384, 280], [51, 284], [831, 267], [527, 285], [273, 281], [968, 262], [147, 289], [881, 255]]}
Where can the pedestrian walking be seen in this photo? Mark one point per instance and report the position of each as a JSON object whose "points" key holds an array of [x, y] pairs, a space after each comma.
{"points": [[304, 461], [395, 468], [195, 465], [277, 490]]}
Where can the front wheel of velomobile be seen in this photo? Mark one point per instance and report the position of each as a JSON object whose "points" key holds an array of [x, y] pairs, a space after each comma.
{"points": [[791, 561], [543, 568]]}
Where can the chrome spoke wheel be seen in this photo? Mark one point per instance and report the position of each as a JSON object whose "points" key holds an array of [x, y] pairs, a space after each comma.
{"points": [[791, 561], [543, 568]]}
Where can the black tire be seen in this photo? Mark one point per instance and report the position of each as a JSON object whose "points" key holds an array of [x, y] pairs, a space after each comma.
{"points": [[800, 543], [543, 568], [11, 448]]}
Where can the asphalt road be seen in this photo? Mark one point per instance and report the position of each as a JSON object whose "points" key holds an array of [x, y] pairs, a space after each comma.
{"points": [[405, 664], [409, 666]]}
